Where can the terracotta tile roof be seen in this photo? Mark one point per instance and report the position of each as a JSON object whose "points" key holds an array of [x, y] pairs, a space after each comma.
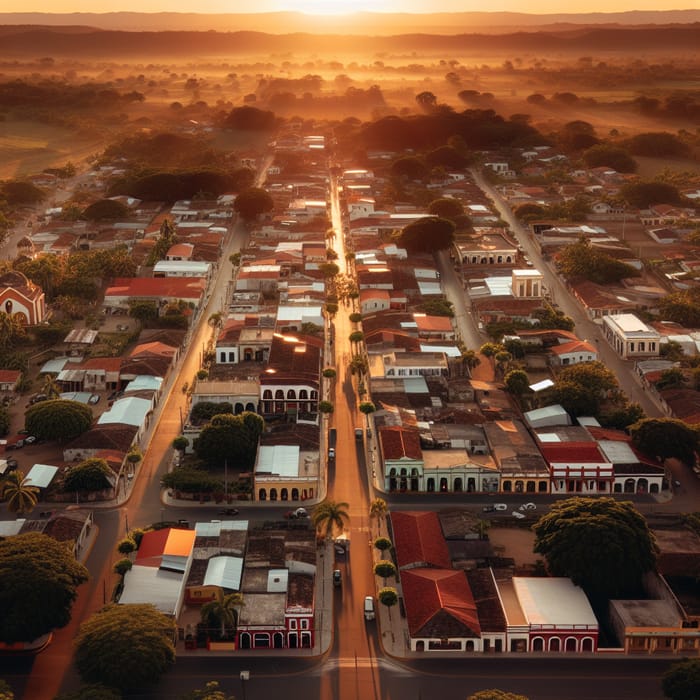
{"points": [[9, 376], [418, 540], [112, 436], [158, 287], [397, 443], [293, 355], [153, 348], [571, 452], [110, 364], [433, 323], [574, 346], [439, 603]]}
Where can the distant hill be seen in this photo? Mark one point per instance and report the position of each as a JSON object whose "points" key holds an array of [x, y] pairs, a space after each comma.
{"points": [[76, 41], [365, 23]]}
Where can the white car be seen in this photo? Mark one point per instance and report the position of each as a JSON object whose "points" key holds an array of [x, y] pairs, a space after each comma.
{"points": [[500, 506], [517, 514], [528, 506]]}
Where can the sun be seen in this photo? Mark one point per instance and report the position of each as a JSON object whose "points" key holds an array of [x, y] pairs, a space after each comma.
{"points": [[334, 7]]}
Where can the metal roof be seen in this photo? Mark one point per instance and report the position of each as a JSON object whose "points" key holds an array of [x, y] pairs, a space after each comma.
{"points": [[225, 572]]}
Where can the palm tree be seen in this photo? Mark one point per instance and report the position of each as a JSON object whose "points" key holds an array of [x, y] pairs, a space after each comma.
{"points": [[378, 510], [50, 387], [20, 495], [330, 517], [224, 611]]}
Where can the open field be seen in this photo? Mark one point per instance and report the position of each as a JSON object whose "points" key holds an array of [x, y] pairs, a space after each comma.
{"points": [[28, 147]]}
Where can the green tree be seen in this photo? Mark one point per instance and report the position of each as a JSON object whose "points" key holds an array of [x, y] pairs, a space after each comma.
{"points": [[210, 692], [495, 694], [58, 419], [446, 208], [229, 438], [367, 407], [50, 387], [517, 382], [594, 375], [665, 437], [6, 692], [21, 497], [191, 481], [221, 614], [125, 646], [92, 474], [20, 193], [106, 210], [330, 517], [410, 168], [388, 596], [490, 349], [180, 443], [378, 510], [325, 407], [93, 691], [355, 317], [12, 331], [329, 269], [39, 580], [427, 235], [143, 310], [329, 373], [252, 202], [167, 237], [610, 156], [206, 410], [581, 260], [383, 544], [621, 417], [682, 680], [127, 546], [643, 194], [603, 545], [576, 399], [385, 569]]}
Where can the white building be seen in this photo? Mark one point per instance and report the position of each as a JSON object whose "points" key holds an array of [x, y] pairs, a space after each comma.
{"points": [[630, 337]]}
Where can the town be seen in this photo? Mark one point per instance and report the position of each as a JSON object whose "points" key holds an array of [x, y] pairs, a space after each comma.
{"points": [[445, 335]]}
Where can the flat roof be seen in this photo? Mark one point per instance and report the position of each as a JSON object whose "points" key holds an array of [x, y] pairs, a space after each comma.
{"points": [[553, 601], [41, 475], [159, 587], [279, 459], [224, 571]]}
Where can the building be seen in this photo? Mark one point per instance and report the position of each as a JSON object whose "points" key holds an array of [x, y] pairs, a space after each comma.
{"points": [[21, 298], [630, 337], [286, 473]]}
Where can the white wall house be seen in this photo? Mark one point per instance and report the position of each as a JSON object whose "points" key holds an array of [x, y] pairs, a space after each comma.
{"points": [[630, 337]]}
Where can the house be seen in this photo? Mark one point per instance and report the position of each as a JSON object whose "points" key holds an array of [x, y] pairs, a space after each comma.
{"points": [[291, 382], [402, 457], [434, 327], [238, 342], [162, 290], [21, 298], [573, 353], [9, 379], [279, 573], [408, 364], [182, 268], [630, 337], [286, 473], [159, 572], [487, 249], [372, 300]]}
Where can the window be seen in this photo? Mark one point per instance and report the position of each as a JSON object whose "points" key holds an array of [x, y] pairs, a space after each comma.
{"points": [[292, 624], [304, 624]]}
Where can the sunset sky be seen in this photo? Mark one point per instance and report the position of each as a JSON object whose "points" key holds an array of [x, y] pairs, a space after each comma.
{"points": [[341, 6]]}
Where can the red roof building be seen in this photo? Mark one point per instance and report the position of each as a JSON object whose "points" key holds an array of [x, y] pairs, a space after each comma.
{"points": [[419, 541]]}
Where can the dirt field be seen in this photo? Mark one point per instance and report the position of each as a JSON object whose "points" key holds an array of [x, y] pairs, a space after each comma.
{"points": [[517, 544]]}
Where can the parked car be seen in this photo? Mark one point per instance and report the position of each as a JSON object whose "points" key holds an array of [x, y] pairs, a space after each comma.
{"points": [[488, 509], [517, 514], [358, 433], [369, 608], [30, 440], [296, 514], [528, 506], [331, 453], [337, 578], [94, 398], [500, 506], [677, 483], [228, 511]]}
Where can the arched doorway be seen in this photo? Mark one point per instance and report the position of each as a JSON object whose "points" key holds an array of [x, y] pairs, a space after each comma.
{"points": [[538, 644], [244, 640], [570, 644], [554, 644], [293, 640], [284, 495], [457, 486], [629, 485], [262, 495], [295, 494], [273, 494], [239, 408], [278, 640], [587, 644]]}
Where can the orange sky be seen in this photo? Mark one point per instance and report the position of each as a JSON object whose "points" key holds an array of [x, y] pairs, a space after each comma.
{"points": [[342, 6]]}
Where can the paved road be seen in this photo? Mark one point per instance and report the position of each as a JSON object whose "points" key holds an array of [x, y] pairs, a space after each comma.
{"points": [[585, 328]]}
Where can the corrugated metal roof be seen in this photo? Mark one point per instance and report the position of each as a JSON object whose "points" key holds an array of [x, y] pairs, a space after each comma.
{"points": [[41, 475], [225, 572]]}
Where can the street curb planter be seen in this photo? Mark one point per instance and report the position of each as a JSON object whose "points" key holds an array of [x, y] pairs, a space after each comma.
{"points": [[221, 646]]}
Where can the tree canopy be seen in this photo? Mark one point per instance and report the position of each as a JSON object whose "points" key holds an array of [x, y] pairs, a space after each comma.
{"points": [[39, 580], [125, 646], [643, 194], [20, 192], [603, 545], [59, 419], [92, 474], [611, 157], [446, 208], [330, 517], [682, 680], [20, 495], [666, 437], [232, 438], [427, 235], [105, 210], [581, 260], [252, 202]]}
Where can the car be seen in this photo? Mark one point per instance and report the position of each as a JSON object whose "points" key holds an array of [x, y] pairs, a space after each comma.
{"points": [[528, 506], [488, 509], [30, 440], [337, 578], [296, 514], [677, 483], [331, 453], [517, 514], [500, 506], [358, 433], [369, 608], [228, 511], [94, 398]]}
